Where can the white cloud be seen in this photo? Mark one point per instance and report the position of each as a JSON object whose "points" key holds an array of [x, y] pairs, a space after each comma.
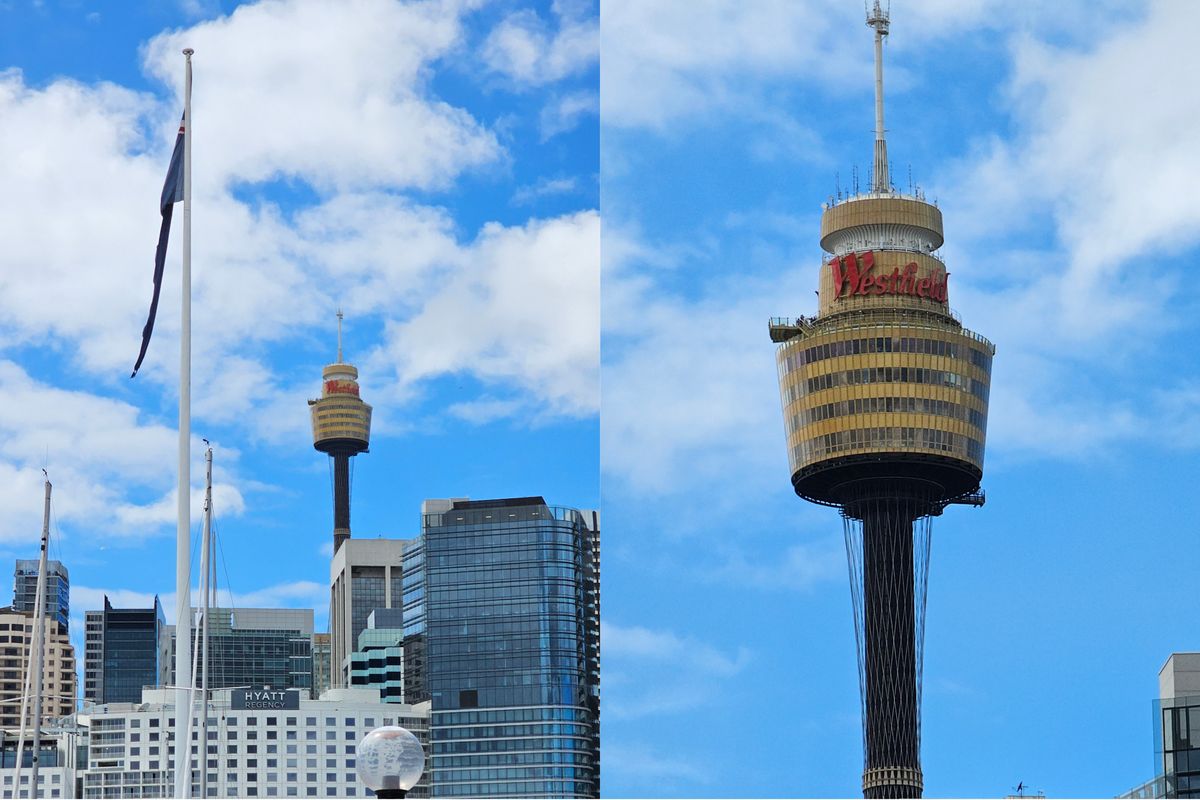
{"points": [[545, 187], [522, 310], [565, 113], [523, 48], [296, 594], [660, 672], [112, 471], [332, 92]]}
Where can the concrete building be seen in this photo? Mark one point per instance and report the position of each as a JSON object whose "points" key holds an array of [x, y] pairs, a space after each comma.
{"points": [[321, 672], [57, 764], [297, 748], [58, 589], [58, 671], [256, 647], [365, 574], [125, 650], [1176, 731]]}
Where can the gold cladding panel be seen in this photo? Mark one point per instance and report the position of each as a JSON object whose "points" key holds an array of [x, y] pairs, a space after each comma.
{"points": [[882, 210]]}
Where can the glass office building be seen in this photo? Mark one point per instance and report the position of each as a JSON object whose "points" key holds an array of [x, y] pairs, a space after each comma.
{"points": [[58, 589], [511, 642], [129, 644], [258, 647]]}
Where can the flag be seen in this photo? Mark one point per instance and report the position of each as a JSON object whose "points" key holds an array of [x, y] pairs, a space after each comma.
{"points": [[172, 193]]}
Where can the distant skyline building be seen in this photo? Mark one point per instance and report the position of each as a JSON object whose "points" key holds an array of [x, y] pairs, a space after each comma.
{"points": [[885, 401], [58, 671], [305, 748], [378, 661], [321, 670], [256, 647], [58, 589], [511, 628], [341, 424], [125, 650], [365, 574]]}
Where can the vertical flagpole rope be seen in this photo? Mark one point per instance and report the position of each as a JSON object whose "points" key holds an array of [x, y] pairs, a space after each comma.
{"points": [[183, 660]]}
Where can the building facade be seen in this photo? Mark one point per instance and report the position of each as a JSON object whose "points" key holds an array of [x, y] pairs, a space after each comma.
{"points": [[305, 749], [365, 574], [58, 670], [256, 647], [125, 650], [58, 589], [510, 632], [57, 764], [321, 650], [378, 661]]}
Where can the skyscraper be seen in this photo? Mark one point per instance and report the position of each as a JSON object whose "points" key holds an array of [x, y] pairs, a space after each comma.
{"points": [[58, 589], [125, 650], [257, 647], [378, 661], [364, 574], [511, 627], [885, 400], [58, 667]]}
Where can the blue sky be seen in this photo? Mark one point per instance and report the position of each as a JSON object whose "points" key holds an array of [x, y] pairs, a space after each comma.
{"points": [[1063, 157], [431, 168]]}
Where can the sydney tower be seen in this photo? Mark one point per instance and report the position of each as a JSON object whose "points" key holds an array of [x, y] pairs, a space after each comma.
{"points": [[885, 400]]}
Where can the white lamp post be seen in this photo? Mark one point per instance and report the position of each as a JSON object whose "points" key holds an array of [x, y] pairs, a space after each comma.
{"points": [[390, 761]]}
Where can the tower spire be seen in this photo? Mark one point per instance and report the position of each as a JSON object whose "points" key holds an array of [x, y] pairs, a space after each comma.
{"points": [[879, 19], [339, 316]]}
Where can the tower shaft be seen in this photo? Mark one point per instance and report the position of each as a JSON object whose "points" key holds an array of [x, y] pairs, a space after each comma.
{"points": [[892, 766], [341, 499]]}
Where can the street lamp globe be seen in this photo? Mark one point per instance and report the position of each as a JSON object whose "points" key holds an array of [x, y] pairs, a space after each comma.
{"points": [[390, 761]]}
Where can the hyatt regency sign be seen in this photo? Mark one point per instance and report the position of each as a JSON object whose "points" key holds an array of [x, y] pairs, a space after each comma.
{"points": [[274, 699]]}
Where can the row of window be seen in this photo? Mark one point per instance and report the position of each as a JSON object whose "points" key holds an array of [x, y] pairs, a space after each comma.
{"points": [[887, 344], [868, 375], [877, 405], [875, 438]]}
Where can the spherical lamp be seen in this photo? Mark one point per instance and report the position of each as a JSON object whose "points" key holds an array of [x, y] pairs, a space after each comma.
{"points": [[390, 761]]}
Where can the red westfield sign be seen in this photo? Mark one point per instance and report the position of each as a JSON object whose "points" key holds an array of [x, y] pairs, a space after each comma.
{"points": [[341, 387], [852, 276]]}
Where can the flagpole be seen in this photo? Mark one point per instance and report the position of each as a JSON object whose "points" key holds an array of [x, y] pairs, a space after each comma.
{"points": [[183, 550]]}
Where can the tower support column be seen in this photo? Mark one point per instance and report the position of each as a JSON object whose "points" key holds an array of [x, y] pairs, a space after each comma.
{"points": [[341, 499], [893, 766]]}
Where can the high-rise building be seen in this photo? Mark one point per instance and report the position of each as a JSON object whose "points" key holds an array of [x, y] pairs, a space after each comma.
{"points": [[378, 661], [885, 398], [125, 650], [287, 746], [58, 589], [256, 647], [510, 632], [321, 649], [58, 667], [365, 574], [58, 762], [1176, 731], [341, 424]]}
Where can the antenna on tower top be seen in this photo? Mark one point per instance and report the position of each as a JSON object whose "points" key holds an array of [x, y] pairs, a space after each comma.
{"points": [[339, 316], [879, 18]]}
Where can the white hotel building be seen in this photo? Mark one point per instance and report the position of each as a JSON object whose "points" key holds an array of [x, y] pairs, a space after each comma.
{"points": [[307, 751]]}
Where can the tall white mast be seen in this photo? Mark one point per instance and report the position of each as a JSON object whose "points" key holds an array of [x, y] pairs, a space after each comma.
{"points": [[879, 19], [183, 610], [205, 561], [39, 643]]}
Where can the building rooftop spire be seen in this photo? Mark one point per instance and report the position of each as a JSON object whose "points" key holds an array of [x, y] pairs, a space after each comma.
{"points": [[879, 18]]}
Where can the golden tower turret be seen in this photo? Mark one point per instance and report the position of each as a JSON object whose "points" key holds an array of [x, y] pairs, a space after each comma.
{"points": [[341, 424], [885, 401]]}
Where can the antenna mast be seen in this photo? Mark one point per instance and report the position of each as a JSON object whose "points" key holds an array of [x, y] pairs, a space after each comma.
{"points": [[339, 316], [879, 19]]}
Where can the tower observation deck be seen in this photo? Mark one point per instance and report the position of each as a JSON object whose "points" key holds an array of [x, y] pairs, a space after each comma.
{"points": [[885, 401], [341, 424]]}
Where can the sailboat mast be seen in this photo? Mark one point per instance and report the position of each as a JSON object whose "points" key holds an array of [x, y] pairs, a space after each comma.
{"points": [[39, 643], [205, 562]]}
